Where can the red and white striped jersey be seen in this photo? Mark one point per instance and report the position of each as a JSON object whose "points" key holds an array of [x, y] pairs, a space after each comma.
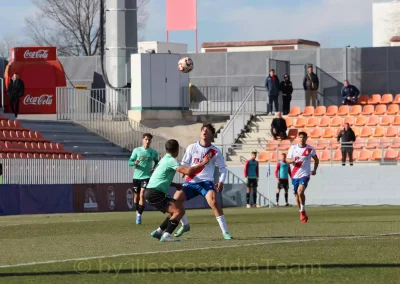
{"points": [[194, 155], [302, 157]]}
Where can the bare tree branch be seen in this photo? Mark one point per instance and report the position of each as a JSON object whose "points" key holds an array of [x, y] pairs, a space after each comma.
{"points": [[72, 25], [7, 42]]}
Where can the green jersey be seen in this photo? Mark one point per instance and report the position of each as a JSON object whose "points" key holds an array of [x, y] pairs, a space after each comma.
{"points": [[146, 158], [163, 174]]}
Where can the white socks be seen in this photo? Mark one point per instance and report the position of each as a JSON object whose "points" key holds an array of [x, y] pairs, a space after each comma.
{"points": [[137, 214], [159, 230], [302, 208], [184, 220], [222, 224]]}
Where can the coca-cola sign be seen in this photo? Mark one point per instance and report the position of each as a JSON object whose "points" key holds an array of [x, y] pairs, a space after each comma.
{"points": [[39, 54], [41, 100]]}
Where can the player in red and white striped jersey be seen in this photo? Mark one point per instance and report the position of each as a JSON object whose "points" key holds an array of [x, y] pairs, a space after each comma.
{"points": [[202, 182], [300, 156]]}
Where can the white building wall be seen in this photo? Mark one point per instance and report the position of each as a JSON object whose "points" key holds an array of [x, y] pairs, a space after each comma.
{"points": [[385, 22]]}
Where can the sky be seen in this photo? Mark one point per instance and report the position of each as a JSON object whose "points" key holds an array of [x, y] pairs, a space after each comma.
{"points": [[333, 23]]}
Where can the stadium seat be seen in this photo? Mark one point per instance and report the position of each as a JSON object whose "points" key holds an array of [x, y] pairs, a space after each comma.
{"points": [[273, 157], [397, 99], [295, 111], [368, 110], [308, 111], [390, 155], [355, 155], [336, 121], [292, 133], [343, 110], [393, 109], [337, 131], [359, 143], [333, 144], [300, 122], [316, 132], [78, 156], [320, 111], [337, 156], [355, 110], [372, 143], [289, 122], [386, 99], [386, 120], [328, 133], [379, 131], [380, 110], [363, 99], [391, 131], [272, 145], [321, 144], [396, 120], [395, 143], [385, 143], [332, 111], [284, 145], [376, 155], [3, 156], [68, 156], [374, 99], [324, 122], [356, 131], [325, 156], [364, 155], [312, 122], [349, 120], [366, 132]]}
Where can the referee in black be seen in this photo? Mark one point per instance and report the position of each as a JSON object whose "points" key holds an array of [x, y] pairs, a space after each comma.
{"points": [[348, 137]]}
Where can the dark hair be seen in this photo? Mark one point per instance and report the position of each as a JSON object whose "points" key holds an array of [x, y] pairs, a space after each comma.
{"points": [[148, 135], [272, 70], [254, 153], [303, 133], [283, 154], [309, 66], [171, 146], [210, 127]]}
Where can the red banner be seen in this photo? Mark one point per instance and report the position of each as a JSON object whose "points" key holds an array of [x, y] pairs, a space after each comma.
{"points": [[181, 15], [34, 53]]}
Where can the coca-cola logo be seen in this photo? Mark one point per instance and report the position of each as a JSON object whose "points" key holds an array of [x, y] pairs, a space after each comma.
{"points": [[40, 54], [42, 100]]}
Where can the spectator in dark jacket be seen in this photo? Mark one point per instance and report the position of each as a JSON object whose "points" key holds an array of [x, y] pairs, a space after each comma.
{"points": [[278, 127], [16, 90], [311, 85], [348, 138], [349, 94], [272, 85], [286, 88]]}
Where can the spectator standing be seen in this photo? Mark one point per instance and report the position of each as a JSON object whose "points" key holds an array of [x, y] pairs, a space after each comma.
{"points": [[311, 85], [347, 137], [286, 88], [272, 86], [349, 93], [251, 174], [278, 127], [16, 91]]}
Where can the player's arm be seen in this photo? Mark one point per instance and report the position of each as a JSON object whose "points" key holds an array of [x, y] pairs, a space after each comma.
{"points": [[190, 171], [278, 165], [155, 159], [222, 168], [246, 168], [289, 158], [133, 161], [289, 171], [187, 158], [257, 171], [316, 163]]}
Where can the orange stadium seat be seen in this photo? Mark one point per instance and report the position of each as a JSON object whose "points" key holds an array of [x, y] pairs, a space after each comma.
{"points": [[343, 110], [295, 111], [320, 144], [374, 99], [393, 109], [316, 132], [337, 156], [397, 99], [355, 110], [312, 122], [292, 133], [284, 145], [308, 111], [390, 155], [320, 111], [273, 157], [391, 131], [332, 111], [380, 109], [300, 122], [334, 144], [289, 122], [356, 131], [324, 122], [368, 110], [376, 155], [325, 156], [364, 155], [386, 99], [272, 145], [337, 131], [386, 120], [359, 143], [395, 143], [379, 131], [349, 120], [336, 121], [366, 132], [372, 143], [328, 133], [373, 120], [385, 143], [363, 99], [77, 156], [396, 120]]}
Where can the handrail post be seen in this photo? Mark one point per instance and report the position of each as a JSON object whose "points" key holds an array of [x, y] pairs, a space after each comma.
{"points": [[330, 145], [254, 101]]}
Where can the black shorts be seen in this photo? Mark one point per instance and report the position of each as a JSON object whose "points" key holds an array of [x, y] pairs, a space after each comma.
{"points": [[138, 184], [252, 182], [283, 184], [158, 199]]}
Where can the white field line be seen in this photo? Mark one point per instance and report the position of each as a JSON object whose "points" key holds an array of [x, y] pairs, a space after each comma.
{"points": [[22, 223], [197, 249]]}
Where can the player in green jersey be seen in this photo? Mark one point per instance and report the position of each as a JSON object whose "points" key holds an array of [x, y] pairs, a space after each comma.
{"points": [[142, 159]]}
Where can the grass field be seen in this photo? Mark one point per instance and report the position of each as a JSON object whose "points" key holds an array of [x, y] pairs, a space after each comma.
{"points": [[337, 245]]}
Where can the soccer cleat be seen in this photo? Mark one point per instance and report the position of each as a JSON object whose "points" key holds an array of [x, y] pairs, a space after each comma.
{"points": [[303, 217], [183, 229], [138, 220], [287, 205], [227, 236], [257, 206], [248, 206], [167, 239], [157, 235]]}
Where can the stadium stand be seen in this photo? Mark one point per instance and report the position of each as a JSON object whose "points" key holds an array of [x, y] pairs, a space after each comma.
{"points": [[17, 142]]}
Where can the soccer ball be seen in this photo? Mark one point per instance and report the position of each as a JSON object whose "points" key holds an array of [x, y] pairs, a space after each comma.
{"points": [[185, 65]]}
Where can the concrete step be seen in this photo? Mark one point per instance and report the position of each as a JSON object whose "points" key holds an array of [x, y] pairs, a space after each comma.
{"points": [[88, 149], [71, 137], [47, 128], [83, 143], [257, 135]]}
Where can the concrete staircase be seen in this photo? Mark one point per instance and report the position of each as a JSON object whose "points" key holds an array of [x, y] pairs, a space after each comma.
{"points": [[255, 139], [77, 139]]}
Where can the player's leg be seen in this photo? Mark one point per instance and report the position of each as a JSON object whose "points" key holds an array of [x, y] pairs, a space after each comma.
{"points": [[177, 211], [248, 194], [295, 183], [143, 185], [278, 190], [137, 193], [188, 192], [287, 194], [255, 193], [302, 198]]}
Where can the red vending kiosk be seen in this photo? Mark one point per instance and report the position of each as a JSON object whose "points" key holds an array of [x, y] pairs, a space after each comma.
{"points": [[41, 72]]}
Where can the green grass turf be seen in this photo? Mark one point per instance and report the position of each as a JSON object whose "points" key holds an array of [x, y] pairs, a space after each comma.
{"points": [[337, 245]]}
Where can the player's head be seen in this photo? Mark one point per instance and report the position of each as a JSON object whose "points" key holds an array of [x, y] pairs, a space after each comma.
{"points": [[346, 126], [253, 155], [147, 137], [283, 157], [302, 138], [207, 132], [172, 147]]}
